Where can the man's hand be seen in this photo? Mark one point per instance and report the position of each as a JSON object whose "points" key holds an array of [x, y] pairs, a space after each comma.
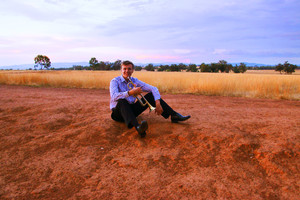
{"points": [[158, 109], [135, 91]]}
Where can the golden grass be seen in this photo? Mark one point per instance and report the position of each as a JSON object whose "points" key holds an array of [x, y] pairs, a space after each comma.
{"points": [[255, 85], [271, 71]]}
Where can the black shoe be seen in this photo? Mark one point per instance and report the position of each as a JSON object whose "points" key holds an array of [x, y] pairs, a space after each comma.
{"points": [[143, 134], [141, 128], [178, 117]]}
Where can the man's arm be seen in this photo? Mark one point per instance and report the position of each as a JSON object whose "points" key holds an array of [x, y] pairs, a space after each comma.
{"points": [[115, 94], [149, 88], [135, 91]]}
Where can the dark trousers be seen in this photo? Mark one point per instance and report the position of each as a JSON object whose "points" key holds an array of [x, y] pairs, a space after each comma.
{"points": [[125, 112]]}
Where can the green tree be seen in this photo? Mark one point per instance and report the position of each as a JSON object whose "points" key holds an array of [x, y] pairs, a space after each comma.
{"points": [[149, 67], [228, 68], [242, 68], [93, 63], [42, 61], [181, 67], [117, 65], [138, 68], [279, 68], [205, 67], [289, 68], [192, 68], [108, 66], [78, 67], [214, 67], [101, 65], [174, 68], [222, 65], [164, 68], [235, 69]]}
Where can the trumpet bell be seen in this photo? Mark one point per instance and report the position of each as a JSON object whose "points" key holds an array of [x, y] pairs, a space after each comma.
{"points": [[151, 108]]}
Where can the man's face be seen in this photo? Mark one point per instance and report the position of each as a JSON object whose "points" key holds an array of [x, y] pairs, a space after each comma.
{"points": [[127, 70]]}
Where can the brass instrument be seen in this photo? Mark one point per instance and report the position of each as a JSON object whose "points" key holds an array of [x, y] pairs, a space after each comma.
{"points": [[138, 98]]}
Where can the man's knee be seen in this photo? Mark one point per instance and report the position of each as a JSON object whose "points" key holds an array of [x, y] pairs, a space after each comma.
{"points": [[150, 97], [123, 102]]}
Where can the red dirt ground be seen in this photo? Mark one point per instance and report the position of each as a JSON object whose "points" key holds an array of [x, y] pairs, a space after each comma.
{"points": [[62, 144]]}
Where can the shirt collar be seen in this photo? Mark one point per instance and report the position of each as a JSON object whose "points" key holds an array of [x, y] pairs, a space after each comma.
{"points": [[123, 79]]}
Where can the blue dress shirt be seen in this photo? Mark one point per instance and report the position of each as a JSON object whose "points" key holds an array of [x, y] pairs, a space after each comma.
{"points": [[119, 90]]}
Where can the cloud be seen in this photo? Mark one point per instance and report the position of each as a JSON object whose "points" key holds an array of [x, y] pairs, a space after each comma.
{"points": [[157, 57], [194, 30], [182, 51]]}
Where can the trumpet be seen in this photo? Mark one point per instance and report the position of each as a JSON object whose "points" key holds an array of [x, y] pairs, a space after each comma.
{"points": [[138, 98]]}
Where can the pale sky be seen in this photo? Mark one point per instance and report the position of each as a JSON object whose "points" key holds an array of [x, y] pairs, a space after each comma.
{"points": [[150, 31]]}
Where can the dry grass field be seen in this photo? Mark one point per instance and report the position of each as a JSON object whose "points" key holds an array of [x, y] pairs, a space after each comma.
{"points": [[254, 84]]}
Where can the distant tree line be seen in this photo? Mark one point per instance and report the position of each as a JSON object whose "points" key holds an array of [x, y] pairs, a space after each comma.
{"points": [[221, 66], [96, 65], [286, 67]]}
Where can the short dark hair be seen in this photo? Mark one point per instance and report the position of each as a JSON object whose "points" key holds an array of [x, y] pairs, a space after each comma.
{"points": [[127, 62]]}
